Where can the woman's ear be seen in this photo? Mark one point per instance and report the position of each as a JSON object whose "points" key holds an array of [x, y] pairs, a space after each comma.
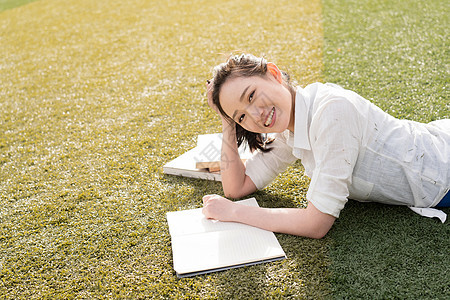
{"points": [[273, 69]]}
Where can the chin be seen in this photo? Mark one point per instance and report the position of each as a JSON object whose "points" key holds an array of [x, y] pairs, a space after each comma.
{"points": [[275, 130], [280, 128]]}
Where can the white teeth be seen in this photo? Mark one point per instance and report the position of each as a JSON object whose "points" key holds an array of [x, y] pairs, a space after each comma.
{"points": [[269, 119]]}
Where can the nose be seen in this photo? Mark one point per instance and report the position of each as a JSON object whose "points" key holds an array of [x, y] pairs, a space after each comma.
{"points": [[256, 112]]}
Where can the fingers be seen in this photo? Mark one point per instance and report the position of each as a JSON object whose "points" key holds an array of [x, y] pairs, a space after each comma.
{"points": [[209, 84], [209, 90], [209, 95], [218, 208], [206, 198], [205, 209], [206, 213]]}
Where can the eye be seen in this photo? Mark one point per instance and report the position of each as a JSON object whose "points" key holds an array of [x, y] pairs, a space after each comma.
{"points": [[250, 97], [241, 118]]}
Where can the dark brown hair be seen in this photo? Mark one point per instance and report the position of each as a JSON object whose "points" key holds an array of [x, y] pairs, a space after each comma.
{"points": [[245, 65]]}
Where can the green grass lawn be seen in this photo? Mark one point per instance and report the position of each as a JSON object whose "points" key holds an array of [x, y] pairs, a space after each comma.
{"points": [[395, 53], [8, 4], [97, 95]]}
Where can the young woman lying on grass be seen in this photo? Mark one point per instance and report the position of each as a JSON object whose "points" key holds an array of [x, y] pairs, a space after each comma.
{"points": [[349, 148]]}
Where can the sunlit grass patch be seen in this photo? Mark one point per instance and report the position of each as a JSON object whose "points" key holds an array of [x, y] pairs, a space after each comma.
{"points": [[8, 4], [96, 96]]}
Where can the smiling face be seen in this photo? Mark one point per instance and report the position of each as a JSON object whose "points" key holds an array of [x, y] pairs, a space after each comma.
{"points": [[259, 104]]}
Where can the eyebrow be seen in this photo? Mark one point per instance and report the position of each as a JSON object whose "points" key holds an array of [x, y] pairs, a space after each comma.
{"points": [[241, 99]]}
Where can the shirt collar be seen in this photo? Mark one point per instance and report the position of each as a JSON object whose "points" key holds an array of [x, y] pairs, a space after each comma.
{"points": [[302, 116]]}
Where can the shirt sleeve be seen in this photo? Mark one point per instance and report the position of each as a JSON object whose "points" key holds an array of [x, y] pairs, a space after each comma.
{"points": [[262, 167], [335, 135]]}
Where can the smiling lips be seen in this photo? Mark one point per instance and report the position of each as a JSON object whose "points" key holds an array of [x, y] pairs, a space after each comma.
{"points": [[270, 118]]}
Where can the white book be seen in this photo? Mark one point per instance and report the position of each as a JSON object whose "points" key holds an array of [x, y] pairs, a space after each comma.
{"points": [[197, 162], [185, 165], [201, 246]]}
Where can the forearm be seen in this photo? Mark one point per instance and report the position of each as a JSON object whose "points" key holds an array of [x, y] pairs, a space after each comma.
{"points": [[234, 180], [308, 222]]}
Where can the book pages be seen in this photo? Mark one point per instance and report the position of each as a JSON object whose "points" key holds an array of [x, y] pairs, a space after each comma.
{"points": [[203, 161], [202, 246]]}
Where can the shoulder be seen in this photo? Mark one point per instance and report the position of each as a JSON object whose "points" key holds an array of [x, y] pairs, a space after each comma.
{"points": [[330, 99]]}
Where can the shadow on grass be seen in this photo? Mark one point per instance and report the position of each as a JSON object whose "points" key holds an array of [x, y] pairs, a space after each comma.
{"points": [[200, 186], [306, 267], [381, 251]]}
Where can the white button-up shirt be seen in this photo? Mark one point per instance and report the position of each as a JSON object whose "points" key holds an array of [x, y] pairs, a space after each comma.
{"points": [[352, 149]]}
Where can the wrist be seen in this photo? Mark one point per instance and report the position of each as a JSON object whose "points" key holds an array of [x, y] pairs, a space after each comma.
{"points": [[236, 212]]}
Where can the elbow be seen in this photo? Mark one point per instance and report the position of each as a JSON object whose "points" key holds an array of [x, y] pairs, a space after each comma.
{"points": [[319, 233], [234, 194], [313, 231], [234, 191], [319, 227], [319, 223]]}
